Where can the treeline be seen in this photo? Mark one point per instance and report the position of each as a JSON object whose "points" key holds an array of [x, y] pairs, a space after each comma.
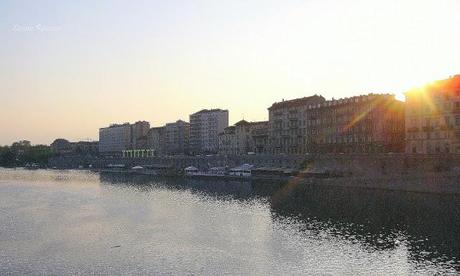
{"points": [[22, 153]]}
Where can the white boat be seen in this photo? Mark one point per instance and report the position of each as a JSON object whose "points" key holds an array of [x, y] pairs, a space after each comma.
{"points": [[243, 170], [191, 171]]}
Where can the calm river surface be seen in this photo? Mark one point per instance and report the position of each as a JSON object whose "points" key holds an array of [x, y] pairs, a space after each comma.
{"points": [[77, 222]]}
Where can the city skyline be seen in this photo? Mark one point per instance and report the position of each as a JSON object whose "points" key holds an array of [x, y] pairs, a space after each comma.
{"points": [[69, 69]]}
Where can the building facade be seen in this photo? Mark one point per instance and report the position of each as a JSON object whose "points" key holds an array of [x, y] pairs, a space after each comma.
{"points": [[287, 125], [227, 141], [243, 138], [259, 134], [120, 137], [86, 148], [176, 137], [244, 134], [139, 132], [361, 124], [433, 118], [205, 127], [115, 138], [156, 140], [61, 146]]}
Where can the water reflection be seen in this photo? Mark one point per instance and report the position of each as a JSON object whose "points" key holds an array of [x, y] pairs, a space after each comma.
{"points": [[76, 222], [428, 225]]}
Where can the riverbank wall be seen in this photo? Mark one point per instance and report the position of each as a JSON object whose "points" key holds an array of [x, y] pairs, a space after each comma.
{"points": [[419, 173]]}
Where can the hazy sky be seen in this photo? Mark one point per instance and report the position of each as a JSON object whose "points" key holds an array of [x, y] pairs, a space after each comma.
{"points": [[70, 67]]}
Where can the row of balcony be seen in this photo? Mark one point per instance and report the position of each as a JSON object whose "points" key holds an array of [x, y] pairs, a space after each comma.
{"points": [[431, 128]]}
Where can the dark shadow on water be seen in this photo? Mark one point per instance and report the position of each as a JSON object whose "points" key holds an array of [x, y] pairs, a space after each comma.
{"points": [[428, 224], [238, 190]]}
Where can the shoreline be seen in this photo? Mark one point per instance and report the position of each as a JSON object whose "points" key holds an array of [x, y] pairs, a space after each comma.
{"points": [[435, 183]]}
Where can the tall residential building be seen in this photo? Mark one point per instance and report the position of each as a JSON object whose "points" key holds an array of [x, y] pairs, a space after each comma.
{"points": [[361, 124], [287, 124], [176, 137], [119, 137], [115, 138], [433, 117], [156, 140], [205, 127]]}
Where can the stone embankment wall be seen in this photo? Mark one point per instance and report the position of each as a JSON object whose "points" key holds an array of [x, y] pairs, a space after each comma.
{"points": [[378, 165], [414, 173], [421, 173], [385, 165]]}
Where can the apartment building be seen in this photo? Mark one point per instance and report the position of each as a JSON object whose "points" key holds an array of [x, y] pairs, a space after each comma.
{"points": [[115, 138], [361, 124], [156, 140], [227, 141], [205, 127], [259, 136], [243, 138], [287, 124], [433, 117], [139, 132], [176, 137]]}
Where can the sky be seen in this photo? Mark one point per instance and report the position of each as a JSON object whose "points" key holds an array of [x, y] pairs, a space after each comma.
{"points": [[68, 68]]}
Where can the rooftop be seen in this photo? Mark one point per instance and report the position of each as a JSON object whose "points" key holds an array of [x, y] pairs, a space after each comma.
{"points": [[449, 85], [354, 99], [115, 125], [210, 111], [228, 130], [244, 122], [298, 102]]}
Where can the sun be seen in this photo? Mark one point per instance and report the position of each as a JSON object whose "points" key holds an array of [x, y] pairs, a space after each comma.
{"points": [[400, 96]]}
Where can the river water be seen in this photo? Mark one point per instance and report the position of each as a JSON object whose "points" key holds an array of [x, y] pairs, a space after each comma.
{"points": [[77, 222]]}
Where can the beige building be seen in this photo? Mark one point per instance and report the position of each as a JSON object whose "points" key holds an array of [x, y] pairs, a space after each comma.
{"points": [[433, 117], [242, 138], [205, 127], [244, 133], [287, 124], [120, 137], [115, 138], [361, 124], [259, 135]]}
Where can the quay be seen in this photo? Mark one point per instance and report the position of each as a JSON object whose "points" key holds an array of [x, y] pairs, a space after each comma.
{"points": [[404, 172]]}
